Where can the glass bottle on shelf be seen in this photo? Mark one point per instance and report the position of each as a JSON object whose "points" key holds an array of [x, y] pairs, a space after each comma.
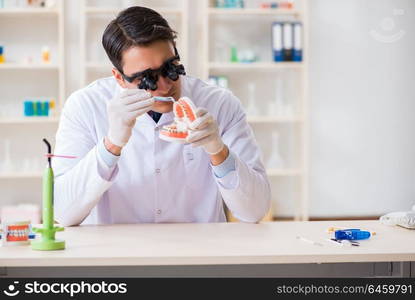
{"points": [[221, 53]]}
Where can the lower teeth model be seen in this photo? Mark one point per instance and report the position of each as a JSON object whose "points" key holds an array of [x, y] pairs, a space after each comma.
{"points": [[184, 114]]}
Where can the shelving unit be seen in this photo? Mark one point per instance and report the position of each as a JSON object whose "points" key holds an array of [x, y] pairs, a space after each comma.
{"points": [[27, 127], [102, 65], [257, 71]]}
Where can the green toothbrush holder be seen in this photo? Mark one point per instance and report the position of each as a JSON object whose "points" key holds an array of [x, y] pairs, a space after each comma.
{"points": [[47, 240]]}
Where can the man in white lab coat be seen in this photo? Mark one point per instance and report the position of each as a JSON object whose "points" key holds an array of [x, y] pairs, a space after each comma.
{"points": [[124, 173]]}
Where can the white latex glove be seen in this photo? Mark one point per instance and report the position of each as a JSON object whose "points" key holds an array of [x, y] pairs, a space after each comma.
{"points": [[204, 132], [123, 110]]}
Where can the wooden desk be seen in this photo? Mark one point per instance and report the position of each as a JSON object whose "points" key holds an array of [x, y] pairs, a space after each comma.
{"points": [[216, 249]]}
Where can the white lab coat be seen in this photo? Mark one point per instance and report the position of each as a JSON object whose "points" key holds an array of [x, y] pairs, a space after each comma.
{"points": [[154, 180]]}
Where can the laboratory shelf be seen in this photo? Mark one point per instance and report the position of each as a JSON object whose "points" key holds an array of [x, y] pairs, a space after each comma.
{"points": [[294, 76], [29, 120], [29, 11], [271, 119], [25, 66], [254, 65], [252, 11], [115, 10], [283, 172]]}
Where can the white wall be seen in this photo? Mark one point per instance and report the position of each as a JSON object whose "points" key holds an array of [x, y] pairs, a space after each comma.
{"points": [[362, 107]]}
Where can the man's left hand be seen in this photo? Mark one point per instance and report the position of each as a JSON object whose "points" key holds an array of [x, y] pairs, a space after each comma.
{"points": [[204, 132]]}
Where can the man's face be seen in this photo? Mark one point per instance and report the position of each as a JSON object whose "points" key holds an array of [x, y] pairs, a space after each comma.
{"points": [[140, 58]]}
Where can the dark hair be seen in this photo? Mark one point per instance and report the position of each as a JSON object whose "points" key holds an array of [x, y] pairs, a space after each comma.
{"points": [[134, 26]]}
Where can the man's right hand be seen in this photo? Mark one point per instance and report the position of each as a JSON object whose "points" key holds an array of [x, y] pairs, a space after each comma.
{"points": [[123, 110]]}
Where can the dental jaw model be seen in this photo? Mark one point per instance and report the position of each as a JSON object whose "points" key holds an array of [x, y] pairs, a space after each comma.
{"points": [[184, 113]]}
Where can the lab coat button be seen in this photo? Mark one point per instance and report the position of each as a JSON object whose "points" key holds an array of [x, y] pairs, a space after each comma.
{"points": [[159, 211], [157, 171]]}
